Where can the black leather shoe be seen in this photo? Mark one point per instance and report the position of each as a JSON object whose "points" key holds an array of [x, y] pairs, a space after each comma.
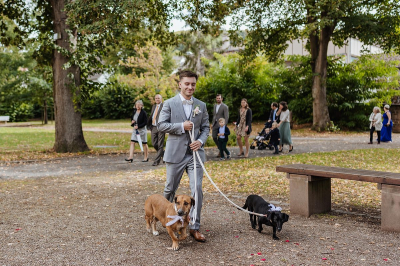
{"points": [[146, 160], [155, 163], [129, 160]]}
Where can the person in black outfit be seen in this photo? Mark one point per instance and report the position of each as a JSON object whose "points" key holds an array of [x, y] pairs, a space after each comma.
{"points": [[223, 136], [139, 122], [275, 136]]}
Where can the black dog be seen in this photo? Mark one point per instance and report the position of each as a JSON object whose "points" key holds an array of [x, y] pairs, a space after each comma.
{"points": [[255, 203]]}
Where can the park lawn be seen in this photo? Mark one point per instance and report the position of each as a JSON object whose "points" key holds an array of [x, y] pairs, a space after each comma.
{"points": [[258, 175], [25, 143]]}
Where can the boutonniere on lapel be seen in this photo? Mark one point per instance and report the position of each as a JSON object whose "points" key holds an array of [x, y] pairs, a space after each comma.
{"points": [[196, 110]]}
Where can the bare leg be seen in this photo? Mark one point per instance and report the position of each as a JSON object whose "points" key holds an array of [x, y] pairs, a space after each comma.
{"points": [[146, 151], [246, 142], [131, 149], [239, 142]]}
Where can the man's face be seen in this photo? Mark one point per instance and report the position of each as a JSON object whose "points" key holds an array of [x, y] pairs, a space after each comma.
{"points": [[273, 107], [158, 99], [187, 86], [218, 99]]}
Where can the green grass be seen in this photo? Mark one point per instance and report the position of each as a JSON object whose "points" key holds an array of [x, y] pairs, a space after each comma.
{"points": [[36, 143], [258, 175]]}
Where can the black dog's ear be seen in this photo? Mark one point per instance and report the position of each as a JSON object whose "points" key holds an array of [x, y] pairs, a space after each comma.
{"points": [[285, 217], [192, 201], [175, 199]]}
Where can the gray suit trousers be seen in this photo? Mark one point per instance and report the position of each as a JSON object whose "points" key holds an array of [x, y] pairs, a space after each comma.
{"points": [[174, 176], [157, 138]]}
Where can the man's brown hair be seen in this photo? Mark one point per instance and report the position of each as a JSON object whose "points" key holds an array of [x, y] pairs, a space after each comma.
{"points": [[187, 74]]}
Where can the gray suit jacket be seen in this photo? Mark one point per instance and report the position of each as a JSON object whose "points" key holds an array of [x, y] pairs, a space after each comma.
{"points": [[223, 112], [170, 121]]}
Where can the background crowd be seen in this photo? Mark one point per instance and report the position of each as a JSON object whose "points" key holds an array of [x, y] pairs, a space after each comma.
{"points": [[278, 124]]}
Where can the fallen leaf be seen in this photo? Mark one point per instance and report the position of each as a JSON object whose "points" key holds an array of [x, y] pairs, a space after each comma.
{"points": [[287, 240], [324, 258], [263, 259], [259, 253]]}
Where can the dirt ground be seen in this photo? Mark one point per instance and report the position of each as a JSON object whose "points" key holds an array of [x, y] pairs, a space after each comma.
{"points": [[96, 217]]}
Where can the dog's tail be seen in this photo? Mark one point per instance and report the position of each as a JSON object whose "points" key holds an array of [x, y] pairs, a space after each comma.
{"points": [[245, 206]]}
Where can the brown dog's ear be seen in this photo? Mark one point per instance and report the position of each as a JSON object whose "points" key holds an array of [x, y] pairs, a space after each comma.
{"points": [[192, 201], [175, 199]]}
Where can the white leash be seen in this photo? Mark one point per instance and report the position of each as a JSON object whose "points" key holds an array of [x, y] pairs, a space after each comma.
{"points": [[212, 182]]}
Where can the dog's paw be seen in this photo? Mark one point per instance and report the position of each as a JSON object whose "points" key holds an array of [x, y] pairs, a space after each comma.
{"points": [[275, 237], [156, 233], [175, 247], [253, 226], [149, 230]]}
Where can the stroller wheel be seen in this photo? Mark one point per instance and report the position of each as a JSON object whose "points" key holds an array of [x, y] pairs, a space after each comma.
{"points": [[252, 147], [271, 148]]}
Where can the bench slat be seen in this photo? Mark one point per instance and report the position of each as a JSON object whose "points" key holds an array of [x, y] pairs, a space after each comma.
{"points": [[341, 173]]}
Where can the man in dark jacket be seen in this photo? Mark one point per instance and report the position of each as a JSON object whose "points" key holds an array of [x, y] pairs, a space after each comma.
{"points": [[221, 110], [272, 115], [157, 137]]}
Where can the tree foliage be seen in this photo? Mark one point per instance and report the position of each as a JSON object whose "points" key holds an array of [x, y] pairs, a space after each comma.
{"points": [[271, 24], [353, 89], [255, 82]]}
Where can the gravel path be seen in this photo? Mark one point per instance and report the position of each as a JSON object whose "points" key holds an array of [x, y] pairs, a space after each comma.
{"points": [[103, 163], [89, 211]]}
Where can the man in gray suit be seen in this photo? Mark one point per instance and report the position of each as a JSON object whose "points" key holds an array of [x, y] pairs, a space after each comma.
{"points": [[221, 110], [157, 137], [175, 118]]}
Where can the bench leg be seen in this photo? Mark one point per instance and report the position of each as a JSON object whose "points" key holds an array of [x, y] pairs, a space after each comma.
{"points": [[309, 195], [390, 209]]}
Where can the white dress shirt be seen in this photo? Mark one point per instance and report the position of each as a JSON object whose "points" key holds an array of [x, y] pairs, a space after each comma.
{"points": [[217, 108], [188, 112]]}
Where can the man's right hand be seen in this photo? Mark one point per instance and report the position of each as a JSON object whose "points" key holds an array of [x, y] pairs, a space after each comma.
{"points": [[187, 125]]}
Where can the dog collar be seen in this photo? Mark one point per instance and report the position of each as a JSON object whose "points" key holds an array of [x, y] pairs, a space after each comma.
{"points": [[174, 218], [274, 209]]}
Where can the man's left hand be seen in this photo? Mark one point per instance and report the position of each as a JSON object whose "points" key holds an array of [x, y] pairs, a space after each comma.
{"points": [[195, 145]]}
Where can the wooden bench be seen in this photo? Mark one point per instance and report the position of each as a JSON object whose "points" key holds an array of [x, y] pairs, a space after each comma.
{"points": [[310, 190], [5, 119]]}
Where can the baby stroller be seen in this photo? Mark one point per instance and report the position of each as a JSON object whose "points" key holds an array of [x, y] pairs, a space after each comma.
{"points": [[262, 141]]}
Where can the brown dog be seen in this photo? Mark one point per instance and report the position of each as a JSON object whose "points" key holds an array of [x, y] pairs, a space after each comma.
{"points": [[158, 208]]}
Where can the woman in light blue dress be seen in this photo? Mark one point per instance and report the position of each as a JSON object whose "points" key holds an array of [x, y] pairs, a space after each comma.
{"points": [[386, 133]]}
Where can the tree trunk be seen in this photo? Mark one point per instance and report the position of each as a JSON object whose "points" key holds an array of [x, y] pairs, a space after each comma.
{"points": [[46, 121], [68, 121], [320, 105]]}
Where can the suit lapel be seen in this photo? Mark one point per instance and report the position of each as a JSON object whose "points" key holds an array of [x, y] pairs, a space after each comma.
{"points": [[195, 103]]}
